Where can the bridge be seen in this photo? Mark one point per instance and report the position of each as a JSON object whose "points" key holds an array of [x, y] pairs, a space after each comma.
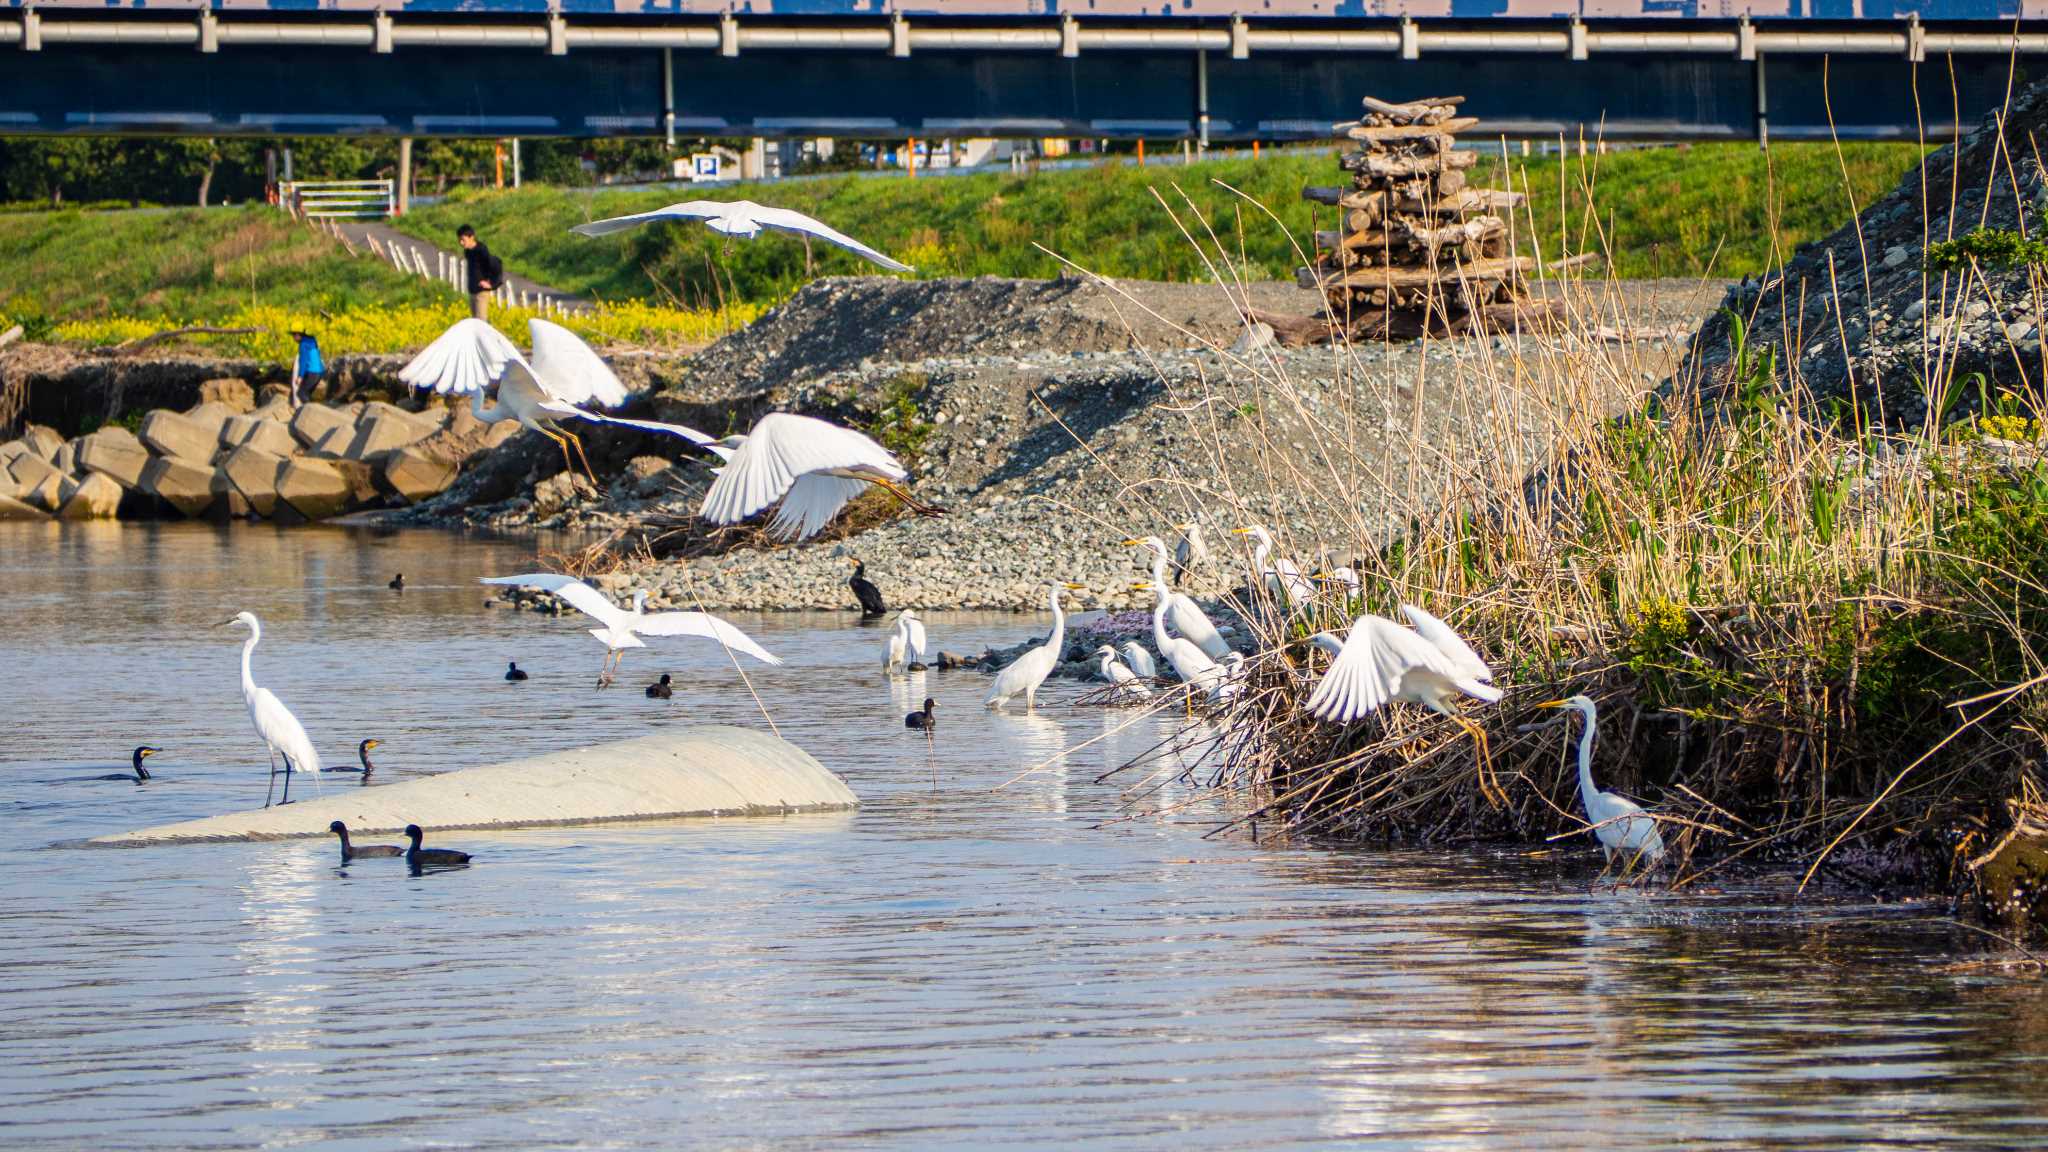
{"points": [[1209, 70]]}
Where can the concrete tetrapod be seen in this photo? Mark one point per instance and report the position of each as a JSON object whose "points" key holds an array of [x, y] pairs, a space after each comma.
{"points": [[710, 770]]}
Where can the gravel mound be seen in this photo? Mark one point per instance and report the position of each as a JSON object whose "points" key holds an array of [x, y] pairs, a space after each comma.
{"points": [[1861, 314]]}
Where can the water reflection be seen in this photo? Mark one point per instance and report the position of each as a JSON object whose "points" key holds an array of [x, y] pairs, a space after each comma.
{"points": [[955, 964]]}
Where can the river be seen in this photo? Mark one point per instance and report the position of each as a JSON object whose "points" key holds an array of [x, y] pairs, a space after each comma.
{"points": [[951, 966]]}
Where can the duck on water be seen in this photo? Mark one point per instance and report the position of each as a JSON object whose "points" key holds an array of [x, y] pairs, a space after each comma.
{"points": [[417, 857], [661, 689], [351, 851]]}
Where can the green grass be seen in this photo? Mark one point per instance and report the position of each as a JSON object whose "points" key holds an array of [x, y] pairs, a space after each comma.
{"points": [[181, 264], [1665, 212]]}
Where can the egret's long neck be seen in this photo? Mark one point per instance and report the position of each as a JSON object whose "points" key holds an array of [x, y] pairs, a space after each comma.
{"points": [[1159, 636], [491, 415], [1058, 640], [1260, 553], [1586, 789], [1159, 567], [248, 647]]}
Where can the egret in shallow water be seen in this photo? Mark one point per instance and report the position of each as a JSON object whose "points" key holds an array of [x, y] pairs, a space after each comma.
{"points": [[1139, 659], [620, 629], [1107, 666], [905, 644], [1027, 672], [1618, 822], [1282, 578], [746, 220], [1379, 662], [281, 731], [1187, 617], [1186, 657], [563, 376]]}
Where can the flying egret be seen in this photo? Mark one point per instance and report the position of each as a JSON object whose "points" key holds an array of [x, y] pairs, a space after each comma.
{"points": [[1189, 550], [1113, 670], [1027, 672], [905, 644], [744, 219], [562, 375], [1617, 821], [1141, 662], [864, 590], [1188, 618], [1283, 579], [281, 731], [1187, 658], [622, 629], [1380, 662]]}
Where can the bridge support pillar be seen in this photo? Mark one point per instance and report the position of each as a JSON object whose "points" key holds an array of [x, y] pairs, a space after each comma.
{"points": [[404, 175]]}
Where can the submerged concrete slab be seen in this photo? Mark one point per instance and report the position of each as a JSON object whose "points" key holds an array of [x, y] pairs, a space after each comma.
{"points": [[710, 770]]}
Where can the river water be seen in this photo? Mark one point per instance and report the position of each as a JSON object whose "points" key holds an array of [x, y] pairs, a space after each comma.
{"points": [[951, 966]]}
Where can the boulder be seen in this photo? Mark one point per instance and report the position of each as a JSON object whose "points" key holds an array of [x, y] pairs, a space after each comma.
{"points": [[381, 432], [175, 435], [314, 488], [114, 452], [12, 509], [42, 440], [313, 422], [30, 470], [182, 484], [253, 473], [414, 475], [230, 392], [98, 497]]}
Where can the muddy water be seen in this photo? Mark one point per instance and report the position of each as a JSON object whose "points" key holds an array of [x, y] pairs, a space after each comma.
{"points": [[950, 966]]}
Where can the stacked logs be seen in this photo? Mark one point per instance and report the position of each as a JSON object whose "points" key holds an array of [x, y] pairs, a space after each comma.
{"points": [[1416, 251]]}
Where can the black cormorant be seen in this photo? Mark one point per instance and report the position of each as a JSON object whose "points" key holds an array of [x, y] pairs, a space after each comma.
{"points": [[512, 671], [417, 857], [350, 851], [397, 583], [864, 590], [140, 774], [661, 689], [924, 719], [363, 754]]}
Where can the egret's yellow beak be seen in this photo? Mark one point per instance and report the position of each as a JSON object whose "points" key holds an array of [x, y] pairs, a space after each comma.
{"points": [[1142, 586], [1321, 576], [1242, 531], [1069, 584], [1553, 703], [1132, 543]]}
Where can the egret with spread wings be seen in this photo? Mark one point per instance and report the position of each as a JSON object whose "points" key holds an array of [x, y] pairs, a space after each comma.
{"points": [[744, 219], [620, 629], [562, 376]]}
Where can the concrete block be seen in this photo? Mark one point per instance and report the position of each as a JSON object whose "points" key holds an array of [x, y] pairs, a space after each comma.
{"points": [[229, 392], [9, 451], [415, 475], [98, 498], [334, 445], [314, 488], [29, 471], [253, 473], [114, 452], [274, 437], [42, 440], [67, 457], [12, 509], [182, 484], [49, 493], [173, 434], [380, 432], [361, 476], [211, 416], [312, 422]]}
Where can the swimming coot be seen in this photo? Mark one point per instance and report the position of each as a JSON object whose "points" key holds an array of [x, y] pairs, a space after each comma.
{"points": [[512, 671], [350, 851], [661, 690], [418, 857], [924, 719], [397, 583]]}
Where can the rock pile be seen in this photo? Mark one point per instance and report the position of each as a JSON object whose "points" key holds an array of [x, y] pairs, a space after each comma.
{"points": [[1415, 250], [228, 457]]}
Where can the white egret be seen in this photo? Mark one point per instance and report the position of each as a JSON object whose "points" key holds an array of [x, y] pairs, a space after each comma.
{"points": [[1380, 662], [1134, 654], [1189, 550], [281, 731], [621, 629], [1343, 577], [1113, 670], [905, 644], [1188, 618], [562, 375], [1283, 579], [1187, 658], [744, 219], [1619, 823], [1027, 672]]}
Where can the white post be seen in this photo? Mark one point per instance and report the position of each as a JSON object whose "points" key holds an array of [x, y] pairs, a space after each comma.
{"points": [[515, 161]]}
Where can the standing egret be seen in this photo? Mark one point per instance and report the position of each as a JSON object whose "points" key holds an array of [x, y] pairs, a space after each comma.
{"points": [[622, 629], [1111, 669], [1028, 671], [1187, 658], [864, 590], [1141, 662], [1189, 550], [1283, 580], [1188, 618], [281, 731], [1617, 821], [1344, 578], [1380, 662], [563, 375], [744, 219], [905, 644]]}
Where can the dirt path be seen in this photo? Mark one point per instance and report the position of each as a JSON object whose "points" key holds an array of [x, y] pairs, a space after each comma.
{"points": [[360, 232]]}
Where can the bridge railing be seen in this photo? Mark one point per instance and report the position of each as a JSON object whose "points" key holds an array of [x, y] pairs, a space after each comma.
{"points": [[322, 199]]}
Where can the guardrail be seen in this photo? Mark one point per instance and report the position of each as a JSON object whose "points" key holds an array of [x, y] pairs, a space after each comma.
{"points": [[325, 199], [446, 269]]}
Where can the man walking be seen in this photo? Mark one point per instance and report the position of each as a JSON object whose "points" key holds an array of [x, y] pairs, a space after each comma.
{"points": [[484, 271], [307, 368]]}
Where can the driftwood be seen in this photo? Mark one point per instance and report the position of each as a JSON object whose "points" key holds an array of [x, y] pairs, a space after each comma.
{"points": [[10, 336], [140, 343], [1390, 167]]}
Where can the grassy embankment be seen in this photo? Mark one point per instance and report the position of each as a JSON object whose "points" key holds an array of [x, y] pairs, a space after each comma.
{"points": [[104, 277], [1663, 212]]}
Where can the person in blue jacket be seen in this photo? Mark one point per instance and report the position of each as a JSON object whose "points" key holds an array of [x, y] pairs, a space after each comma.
{"points": [[306, 372]]}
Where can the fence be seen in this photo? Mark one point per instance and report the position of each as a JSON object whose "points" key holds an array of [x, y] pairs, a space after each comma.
{"points": [[324, 199], [446, 268]]}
